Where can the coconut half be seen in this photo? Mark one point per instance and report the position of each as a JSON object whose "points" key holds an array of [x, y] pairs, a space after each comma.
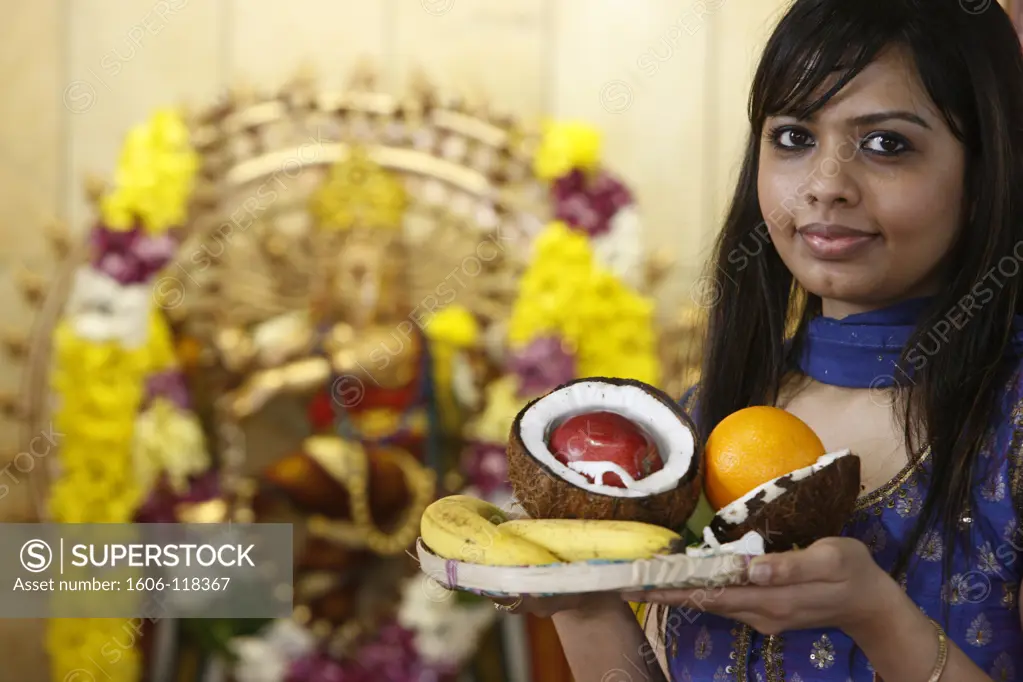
{"points": [[797, 509], [547, 488]]}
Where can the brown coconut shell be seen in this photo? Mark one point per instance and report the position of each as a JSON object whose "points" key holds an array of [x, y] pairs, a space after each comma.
{"points": [[544, 495], [812, 508]]}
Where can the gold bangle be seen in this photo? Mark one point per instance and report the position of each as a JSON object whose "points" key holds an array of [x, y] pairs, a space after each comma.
{"points": [[508, 607], [939, 665]]}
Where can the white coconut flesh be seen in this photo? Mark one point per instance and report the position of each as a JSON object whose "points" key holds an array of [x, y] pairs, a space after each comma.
{"points": [[675, 442], [737, 512], [751, 543]]}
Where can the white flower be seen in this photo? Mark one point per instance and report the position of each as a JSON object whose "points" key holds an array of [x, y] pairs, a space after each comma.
{"points": [[258, 661], [200, 602], [267, 657], [168, 439], [446, 632], [423, 604], [289, 638], [102, 309], [463, 381], [620, 250], [455, 638]]}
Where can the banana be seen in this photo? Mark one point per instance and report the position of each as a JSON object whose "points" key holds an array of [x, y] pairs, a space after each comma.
{"points": [[585, 539], [468, 529]]}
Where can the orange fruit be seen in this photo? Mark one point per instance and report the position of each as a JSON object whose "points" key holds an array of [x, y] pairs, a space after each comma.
{"points": [[753, 446]]}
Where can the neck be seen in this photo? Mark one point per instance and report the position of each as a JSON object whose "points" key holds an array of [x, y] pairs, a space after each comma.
{"points": [[838, 309]]}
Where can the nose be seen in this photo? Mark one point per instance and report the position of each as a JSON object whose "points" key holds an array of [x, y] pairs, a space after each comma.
{"points": [[832, 182]]}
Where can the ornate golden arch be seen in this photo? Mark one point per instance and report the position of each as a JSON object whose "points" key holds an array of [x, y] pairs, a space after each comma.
{"points": [[474, 204]]}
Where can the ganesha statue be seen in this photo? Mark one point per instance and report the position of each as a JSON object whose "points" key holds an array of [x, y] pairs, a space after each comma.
{"points": [[361, 371]]}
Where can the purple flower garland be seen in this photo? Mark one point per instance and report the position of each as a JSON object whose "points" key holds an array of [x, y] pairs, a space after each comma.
{"points": [[390, 657], [589, 202]]}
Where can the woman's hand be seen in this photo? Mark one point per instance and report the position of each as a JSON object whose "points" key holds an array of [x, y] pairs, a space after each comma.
{"points": [[833, 583]]}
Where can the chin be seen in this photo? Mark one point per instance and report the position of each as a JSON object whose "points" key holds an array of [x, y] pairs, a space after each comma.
{"points": [[848, 282]]}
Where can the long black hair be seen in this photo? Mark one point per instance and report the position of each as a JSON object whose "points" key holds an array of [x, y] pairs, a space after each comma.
{"points": [[969, 60]]}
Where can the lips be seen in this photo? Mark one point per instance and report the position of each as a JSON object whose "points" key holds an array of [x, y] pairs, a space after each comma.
{"points": [[835, 242]]}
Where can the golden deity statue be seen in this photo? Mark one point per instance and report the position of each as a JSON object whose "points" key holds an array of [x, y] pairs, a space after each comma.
{"points": [[365, 472]]}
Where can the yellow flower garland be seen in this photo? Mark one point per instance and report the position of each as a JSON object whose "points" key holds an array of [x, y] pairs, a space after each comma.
{"points": [[564, 291], [99, 387], [501, 405], [154, 176], [94, 649], [451, 330], [566, 146]]}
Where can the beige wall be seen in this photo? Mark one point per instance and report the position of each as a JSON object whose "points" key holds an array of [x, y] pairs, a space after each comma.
{"points": [[665, 79]]}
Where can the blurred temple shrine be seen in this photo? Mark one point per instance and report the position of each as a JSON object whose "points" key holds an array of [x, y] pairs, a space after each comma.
{"points": [[325, 309]]}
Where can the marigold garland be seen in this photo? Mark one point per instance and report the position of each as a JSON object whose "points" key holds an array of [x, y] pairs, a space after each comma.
{"points": [[100, 385], [154, 176], [110, 340], [100, 388], [566, 146], [564, 291]]}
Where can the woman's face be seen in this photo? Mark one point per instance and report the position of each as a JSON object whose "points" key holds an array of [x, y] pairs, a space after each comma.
{"points": [[864, 199]]}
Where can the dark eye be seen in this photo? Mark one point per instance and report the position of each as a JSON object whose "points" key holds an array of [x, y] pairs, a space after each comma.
{"points": [[790, 139], [794, 138], [886, 144]]}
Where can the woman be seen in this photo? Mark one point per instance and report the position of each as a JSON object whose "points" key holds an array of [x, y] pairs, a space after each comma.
{"points": [[879, 214]]}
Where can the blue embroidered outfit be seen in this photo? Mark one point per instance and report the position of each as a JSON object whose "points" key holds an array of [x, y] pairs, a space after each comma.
{"points": [[981, 594]]}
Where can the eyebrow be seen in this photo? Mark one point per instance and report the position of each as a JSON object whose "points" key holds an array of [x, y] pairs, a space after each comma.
{"points": [[882, 116]]}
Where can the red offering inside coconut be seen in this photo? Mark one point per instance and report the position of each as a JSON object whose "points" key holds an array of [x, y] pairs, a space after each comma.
{"points": [[599, 448], [606, 447]]}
